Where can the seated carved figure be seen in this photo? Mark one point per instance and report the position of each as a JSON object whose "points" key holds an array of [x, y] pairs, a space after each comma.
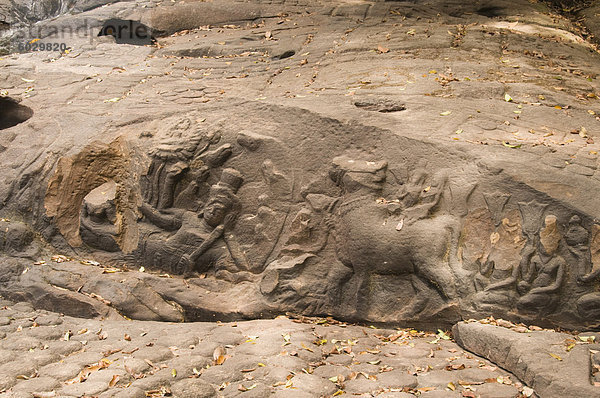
{"points": [[98, 217], [375, 238], [534, 284], [588, 305], [199, 242], [544, 273]]}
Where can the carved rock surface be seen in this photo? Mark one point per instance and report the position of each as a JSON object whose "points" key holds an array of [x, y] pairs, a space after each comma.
{"points": [[255, 162]]}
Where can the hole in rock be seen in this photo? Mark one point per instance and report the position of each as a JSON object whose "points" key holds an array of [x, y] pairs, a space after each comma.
{"points": [[286, 54], [12, 113], [490, 11], [126, 31]]}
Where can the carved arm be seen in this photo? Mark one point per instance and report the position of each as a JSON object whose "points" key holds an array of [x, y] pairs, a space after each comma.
{"points": [[164, 221]]}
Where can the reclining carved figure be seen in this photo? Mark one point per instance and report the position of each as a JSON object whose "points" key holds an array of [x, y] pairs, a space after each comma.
{"points": [[201, 240]]}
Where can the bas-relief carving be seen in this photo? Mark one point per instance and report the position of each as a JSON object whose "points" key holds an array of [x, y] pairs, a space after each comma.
{"points": [[365, 240]]}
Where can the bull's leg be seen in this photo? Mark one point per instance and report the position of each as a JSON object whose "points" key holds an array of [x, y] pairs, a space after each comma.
{"points": [[438, 274], [418, 303]]}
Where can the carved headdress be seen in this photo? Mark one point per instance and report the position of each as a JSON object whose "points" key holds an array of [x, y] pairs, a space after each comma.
{"points": [[225, 190]]}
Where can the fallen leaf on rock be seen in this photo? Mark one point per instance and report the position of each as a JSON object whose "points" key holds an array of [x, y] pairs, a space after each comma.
{"points": [[507, 98], [306, 348], [509, 145], [110, 352], [504, 380], [425, 389], [377, 362], [219, 355], [445, 113], [555, 356], [455, 367], [527, 391], [587, 339], [84, 374], [451, 386], [383, 50], [338, 393], [174, 372], [244, 389], [113, 381], [400, 225]]}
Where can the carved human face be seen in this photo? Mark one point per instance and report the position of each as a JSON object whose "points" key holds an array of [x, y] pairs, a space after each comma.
{"points": [[214, 213]]}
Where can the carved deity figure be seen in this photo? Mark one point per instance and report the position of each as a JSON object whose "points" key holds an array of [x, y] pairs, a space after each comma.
{"points": [[543, 274], [201, 240], [98, 217], [534, 284], [372, 238]]}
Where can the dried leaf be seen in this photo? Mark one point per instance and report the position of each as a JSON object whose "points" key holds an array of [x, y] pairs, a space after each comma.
{"points": [[509, 145], [507, 97], [400, 225], [244, 389], [451, 386], [445, 113], [113, 381], [555, 356], [527, 391], [219, 355], [383, 50]]}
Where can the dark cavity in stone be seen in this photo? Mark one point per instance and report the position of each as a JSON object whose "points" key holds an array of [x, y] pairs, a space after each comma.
{"points": [[491, 11], [126, 31], [12, 113]]}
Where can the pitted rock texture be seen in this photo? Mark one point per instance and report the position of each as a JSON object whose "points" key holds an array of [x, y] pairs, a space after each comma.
{"points": [[47, 354]]}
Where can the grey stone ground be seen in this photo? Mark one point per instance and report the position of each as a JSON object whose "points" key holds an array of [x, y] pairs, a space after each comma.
{"points": [[43, 354]]}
